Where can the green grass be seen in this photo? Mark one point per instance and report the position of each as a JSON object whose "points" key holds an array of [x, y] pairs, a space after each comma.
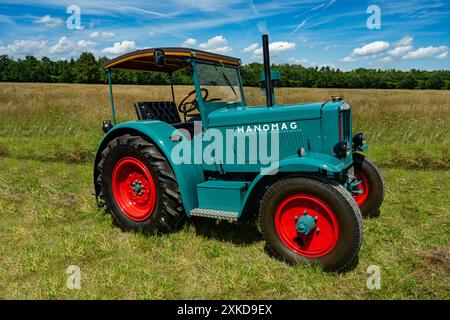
{"points": [[49, 219]]}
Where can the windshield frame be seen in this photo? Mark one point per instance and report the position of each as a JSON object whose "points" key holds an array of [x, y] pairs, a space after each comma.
{"points": [[207, 107], [218, 66]]}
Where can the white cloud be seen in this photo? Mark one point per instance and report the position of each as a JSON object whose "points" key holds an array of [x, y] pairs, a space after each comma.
{"points": [[404, 51], [64, 48], [217, 44], [333, 46], [276, 47], [305, 41], [63, 45], [404, 42], [67, 46], [251, 48], [214, 42], [120, 47], [386, 59], [329, 65], [102, 34], [151, 33], [401, 47], [427, 52], [48, 21], [443, 55], [221, 50], [399, 51], [368, 50], [86, 43], [348, 59], [20, 48], [371, 49], [189, 42], [293, 60]]}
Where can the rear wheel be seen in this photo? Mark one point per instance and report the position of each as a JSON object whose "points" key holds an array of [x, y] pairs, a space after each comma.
{"points": [[139, 186], [311, 222], [371, 185]]}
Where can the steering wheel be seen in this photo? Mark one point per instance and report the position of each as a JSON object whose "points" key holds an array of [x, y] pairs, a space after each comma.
{"points": [[188, 107]]}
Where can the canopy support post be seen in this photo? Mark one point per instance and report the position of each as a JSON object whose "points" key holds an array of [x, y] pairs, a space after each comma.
{"points": [[171, 87], [111, 97]]}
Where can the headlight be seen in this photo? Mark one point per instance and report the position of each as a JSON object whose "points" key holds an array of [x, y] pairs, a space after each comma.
{"points": [[359, 140], [341, 150]]}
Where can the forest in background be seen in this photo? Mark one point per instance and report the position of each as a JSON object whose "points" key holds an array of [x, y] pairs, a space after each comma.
{"points": [[88, 69]]}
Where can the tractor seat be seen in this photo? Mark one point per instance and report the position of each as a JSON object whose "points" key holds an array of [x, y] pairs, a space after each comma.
{"points": [[164, 111], [158, 110]]}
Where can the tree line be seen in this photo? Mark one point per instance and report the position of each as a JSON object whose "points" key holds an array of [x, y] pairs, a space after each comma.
{"points": [[88, 69]]}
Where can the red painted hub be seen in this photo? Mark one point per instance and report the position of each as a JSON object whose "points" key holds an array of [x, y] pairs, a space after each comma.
{"points": [[363, 186], [133, 188], [319, 241]]}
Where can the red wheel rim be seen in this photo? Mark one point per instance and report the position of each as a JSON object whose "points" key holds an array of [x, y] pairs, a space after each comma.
{"points": [[319, 242], [133, 188], [363, 186]]}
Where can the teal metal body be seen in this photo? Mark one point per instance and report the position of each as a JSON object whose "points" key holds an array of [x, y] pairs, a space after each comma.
{"points": [[307, 135]]}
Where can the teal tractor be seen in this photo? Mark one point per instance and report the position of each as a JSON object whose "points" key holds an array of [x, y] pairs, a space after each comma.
{"points": [[297, 167]]}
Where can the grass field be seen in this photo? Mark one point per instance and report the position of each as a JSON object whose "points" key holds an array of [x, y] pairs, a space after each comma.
{"points": [[48, 217]]}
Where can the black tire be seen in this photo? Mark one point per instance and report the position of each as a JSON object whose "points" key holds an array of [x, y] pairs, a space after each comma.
{"points": [[370, 207], [344, 208], [168, 210]]}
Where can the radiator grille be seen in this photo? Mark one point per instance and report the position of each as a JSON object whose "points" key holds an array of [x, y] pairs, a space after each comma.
{"points": [[346, 130]]}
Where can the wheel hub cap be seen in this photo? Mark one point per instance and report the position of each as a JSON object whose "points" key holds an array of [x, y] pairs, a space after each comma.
{"points": [[305, 224], [137, 188]]}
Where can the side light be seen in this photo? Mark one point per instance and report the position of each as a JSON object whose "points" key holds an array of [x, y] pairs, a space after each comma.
{"points": [[359, 140], [341, 150], [107, 125]]}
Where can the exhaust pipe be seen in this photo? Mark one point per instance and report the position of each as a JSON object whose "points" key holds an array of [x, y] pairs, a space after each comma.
{"points": [[268, 76]]}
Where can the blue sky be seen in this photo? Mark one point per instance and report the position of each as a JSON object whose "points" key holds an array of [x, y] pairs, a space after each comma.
{"points": [[412, 34]]}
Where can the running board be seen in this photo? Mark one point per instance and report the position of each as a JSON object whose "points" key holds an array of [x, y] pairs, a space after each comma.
{"points": [[215, 214]]}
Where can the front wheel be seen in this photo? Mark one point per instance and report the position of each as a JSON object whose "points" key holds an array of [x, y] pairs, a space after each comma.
{"points": [[371, 185], [311, 222]]}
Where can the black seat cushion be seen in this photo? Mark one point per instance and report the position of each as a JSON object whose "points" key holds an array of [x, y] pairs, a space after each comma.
{"points": [[158, 110]]}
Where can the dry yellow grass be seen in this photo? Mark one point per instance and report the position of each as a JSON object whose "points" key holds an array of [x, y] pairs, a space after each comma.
{"points": [[91, 102], [398, 123]]}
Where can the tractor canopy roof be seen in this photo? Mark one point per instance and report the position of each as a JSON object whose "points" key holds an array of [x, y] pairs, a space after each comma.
{"points": [[174, 59]]}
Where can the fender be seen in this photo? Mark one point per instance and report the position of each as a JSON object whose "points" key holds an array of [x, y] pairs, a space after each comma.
{"points": [[310, 163], [158, 132]]}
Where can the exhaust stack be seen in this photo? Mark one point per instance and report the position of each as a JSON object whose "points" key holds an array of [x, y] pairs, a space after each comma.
{"points": [[268, 76]]}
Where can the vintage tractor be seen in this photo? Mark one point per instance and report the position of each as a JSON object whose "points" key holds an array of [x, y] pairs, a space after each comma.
{"points": [[308, 194]]}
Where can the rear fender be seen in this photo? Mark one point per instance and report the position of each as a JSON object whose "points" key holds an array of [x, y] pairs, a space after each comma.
{"points": [[159, 133]]}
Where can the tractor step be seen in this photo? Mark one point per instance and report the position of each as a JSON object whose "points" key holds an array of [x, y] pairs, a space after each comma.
{"points": [[215, 214], [221, 195]]}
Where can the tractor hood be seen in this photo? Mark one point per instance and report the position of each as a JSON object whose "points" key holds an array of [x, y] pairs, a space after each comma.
{"points": [[253, 115]]}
